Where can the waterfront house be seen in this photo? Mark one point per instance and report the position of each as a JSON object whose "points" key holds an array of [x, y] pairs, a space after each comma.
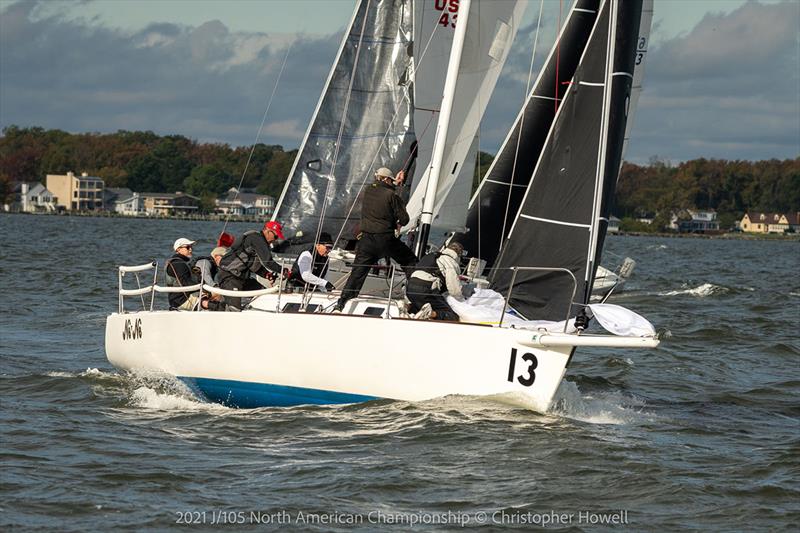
{"points": [[77, 193], [756, 222], [245, 203], [613, 224], [123, 201], [34, 197], [694, 221], [167, 204]]}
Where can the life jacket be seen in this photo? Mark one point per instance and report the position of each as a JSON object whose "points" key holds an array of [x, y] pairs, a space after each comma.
{"points": [[319, 268], [169, 272], [428, 268], [238, 260]]}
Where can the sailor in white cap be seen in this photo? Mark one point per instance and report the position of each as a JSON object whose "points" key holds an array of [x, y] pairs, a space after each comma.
{"points": [[179, 274]]}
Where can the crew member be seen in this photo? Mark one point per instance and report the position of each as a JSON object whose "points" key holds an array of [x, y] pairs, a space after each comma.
{"points": [[179, 274], [382, 213], [312, 265], [250, 253], [434, 274], [205, 269]]}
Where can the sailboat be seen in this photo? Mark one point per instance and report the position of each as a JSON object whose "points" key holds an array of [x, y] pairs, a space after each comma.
{"points": [[284, 349]]}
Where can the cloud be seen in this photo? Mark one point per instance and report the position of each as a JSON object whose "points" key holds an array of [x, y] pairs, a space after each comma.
{"points": [[204, 82], [727, 89]]}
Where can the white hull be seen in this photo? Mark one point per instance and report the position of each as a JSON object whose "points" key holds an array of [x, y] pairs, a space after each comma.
{"points": [[258, 358]]}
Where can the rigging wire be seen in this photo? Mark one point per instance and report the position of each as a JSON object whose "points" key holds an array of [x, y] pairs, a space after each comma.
{"points": [[405, 97], [412, 80], [522, 124], [258, 134], [558, 49], [332, 176]]}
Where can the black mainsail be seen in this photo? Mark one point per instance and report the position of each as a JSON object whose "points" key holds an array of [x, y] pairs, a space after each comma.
{"points": [[493, 206], [563, 216]]}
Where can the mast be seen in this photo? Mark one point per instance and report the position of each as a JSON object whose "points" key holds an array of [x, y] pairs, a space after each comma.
{"points": [[441, 128]]}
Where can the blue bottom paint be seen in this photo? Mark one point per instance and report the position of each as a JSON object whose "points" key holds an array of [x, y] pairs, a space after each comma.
{"points": [[246, 394]]}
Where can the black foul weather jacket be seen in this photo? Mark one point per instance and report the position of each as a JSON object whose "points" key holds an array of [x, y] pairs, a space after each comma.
{"points": [[179, 274], [382, 209], [249, 253]]}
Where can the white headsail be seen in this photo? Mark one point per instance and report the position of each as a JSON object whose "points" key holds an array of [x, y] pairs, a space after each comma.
{"points": [[492, 26]]}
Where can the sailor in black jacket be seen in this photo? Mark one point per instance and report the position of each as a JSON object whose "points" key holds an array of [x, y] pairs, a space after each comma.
{"points": [[250, 253], [179, 274], [382, 213]]}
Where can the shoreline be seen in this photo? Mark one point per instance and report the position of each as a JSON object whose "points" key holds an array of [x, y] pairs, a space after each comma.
{"points": [[217, 218]]}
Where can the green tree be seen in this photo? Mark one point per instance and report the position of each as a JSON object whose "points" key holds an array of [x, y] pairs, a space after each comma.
{"points": [[207, 180]]}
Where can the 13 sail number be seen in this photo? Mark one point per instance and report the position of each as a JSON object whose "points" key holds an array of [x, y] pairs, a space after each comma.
{"points": [[529, 376]]}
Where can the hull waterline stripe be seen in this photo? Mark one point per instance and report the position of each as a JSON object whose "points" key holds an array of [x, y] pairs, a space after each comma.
{"points": [[247, 394]]}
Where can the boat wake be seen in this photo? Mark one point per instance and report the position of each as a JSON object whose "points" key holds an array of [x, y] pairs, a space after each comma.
{"points": [[160, 400], [604, 408]]}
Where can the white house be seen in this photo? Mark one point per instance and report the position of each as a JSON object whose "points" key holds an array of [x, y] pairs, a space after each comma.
{"points": [[35, 197], [241, 203], [132, 205], [694, 221]]}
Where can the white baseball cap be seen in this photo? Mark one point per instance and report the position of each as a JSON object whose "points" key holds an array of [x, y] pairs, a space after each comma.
{"points": [[183, 241], [384, 172]]}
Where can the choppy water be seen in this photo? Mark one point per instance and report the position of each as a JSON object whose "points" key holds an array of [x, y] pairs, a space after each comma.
{"points": [[701, 434]]}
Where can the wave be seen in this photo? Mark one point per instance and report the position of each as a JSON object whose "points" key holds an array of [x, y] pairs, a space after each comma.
{"points": [[604, 408], [657, 247], [91, 373], [150, 398], [706, 289], [162, 392]]}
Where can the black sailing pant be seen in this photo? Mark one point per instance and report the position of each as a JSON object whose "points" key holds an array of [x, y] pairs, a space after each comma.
{"points": [[420, 292], [370, 248], [230, 282]]}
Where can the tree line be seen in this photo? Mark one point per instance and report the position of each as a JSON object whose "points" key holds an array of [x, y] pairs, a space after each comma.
{"points": [[141, 161], [729, 187], [146, 162]]}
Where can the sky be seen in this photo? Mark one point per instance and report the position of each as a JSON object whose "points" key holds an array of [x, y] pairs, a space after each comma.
{"points": [[722, 76]]}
